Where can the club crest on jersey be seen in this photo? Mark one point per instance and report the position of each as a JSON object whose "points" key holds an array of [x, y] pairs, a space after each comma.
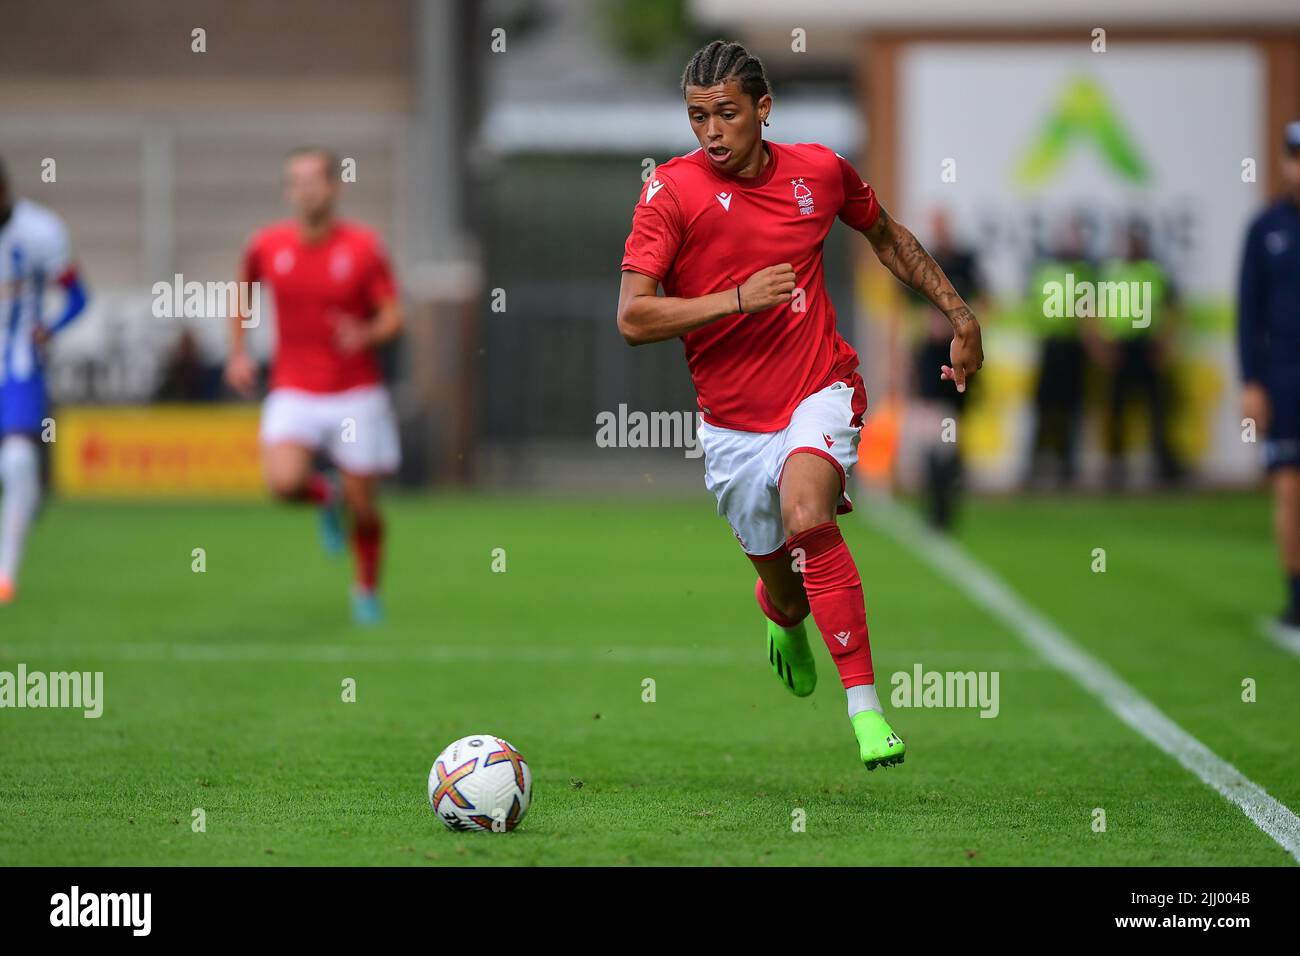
{"points": [[283, 261], [803, 196], [725, 199]]}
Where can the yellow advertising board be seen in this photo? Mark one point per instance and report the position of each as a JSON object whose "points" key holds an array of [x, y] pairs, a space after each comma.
{"points": [[157, 451]]}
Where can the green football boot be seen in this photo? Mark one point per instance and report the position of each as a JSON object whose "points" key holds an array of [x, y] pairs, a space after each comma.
{"points": [[878, 745], [791, 658]]}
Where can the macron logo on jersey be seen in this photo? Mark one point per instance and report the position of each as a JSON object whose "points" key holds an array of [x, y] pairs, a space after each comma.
{"points": [[725, 199], [650, 190]]}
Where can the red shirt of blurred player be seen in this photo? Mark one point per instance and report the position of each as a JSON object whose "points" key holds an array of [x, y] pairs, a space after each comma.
{"points": [[323, 286]]}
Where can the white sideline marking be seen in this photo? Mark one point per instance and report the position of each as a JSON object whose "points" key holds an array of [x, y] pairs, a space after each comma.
{"points": [[987, 590], [1287, 638]]}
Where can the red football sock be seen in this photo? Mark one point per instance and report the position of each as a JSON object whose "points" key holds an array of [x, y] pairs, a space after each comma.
{"points": [[367, 544], [318, 489], [767, 607], [835, 595]]}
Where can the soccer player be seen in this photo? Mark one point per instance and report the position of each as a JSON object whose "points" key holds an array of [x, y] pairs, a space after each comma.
{"points": [[733, 231], [335, 303], [33, 253], [1269, 334]]}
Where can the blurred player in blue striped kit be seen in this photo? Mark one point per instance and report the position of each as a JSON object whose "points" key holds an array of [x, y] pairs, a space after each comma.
{"points": [[34, 255]]}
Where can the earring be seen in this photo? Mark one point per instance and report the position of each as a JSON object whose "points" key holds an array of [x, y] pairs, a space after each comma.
{"points": [[766, 123]]}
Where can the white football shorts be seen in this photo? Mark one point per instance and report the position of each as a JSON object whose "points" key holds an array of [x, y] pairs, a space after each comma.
{"points": [[743, 469], [356, 427]]}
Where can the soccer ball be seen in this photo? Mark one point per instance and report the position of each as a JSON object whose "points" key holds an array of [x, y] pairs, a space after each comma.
{"points": [[480, 782]]}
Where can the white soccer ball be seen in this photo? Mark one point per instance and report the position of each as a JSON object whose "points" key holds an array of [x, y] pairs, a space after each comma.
{"points": [[480, 782]]}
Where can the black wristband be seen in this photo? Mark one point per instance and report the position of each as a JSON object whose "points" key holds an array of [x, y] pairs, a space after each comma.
{"points": [[739, 308]]}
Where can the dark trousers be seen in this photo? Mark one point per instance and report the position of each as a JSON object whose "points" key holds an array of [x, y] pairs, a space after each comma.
{"points": [[1058, 406], [1137, 375]]}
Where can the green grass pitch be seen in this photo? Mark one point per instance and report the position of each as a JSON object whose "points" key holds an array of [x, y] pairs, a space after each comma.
{"points": [[223, 690]]}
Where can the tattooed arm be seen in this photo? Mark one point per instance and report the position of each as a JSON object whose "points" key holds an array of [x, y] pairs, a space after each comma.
{"points": [[900, 253]]}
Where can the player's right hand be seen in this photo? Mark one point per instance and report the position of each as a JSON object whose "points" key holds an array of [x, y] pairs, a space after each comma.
{"points": [[241, 373], [767, 287], [1255, 404]]}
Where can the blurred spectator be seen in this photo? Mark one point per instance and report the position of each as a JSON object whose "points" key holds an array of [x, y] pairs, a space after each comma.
{"points": [[1135, 351], [1269, 326], [937, 399], [1058, 397], [186, 378]]}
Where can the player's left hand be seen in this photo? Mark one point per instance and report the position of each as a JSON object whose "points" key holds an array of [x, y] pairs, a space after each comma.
{"points": [[966, 353], [351, 335], [40, 335]]}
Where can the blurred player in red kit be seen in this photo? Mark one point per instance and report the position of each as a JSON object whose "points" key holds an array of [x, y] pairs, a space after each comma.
{"points": [[734, 231], [335, 302]]}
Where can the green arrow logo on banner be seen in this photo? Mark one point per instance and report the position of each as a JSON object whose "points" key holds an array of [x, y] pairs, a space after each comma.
{"points": [[1082, 112]]}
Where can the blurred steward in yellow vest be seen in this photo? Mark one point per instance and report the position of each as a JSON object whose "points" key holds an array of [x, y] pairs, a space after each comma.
{"points": [[1132, 339]]}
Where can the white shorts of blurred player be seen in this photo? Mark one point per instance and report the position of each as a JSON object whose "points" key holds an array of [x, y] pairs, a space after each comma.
{"points": [[356, 427], [744, 468]]}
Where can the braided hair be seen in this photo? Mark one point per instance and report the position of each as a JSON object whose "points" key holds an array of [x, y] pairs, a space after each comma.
{"points": [[721, 61]]}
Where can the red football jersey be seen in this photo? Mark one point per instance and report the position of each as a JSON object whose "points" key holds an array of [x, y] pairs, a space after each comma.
{"points": [[699, 230], [315, 284]]}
